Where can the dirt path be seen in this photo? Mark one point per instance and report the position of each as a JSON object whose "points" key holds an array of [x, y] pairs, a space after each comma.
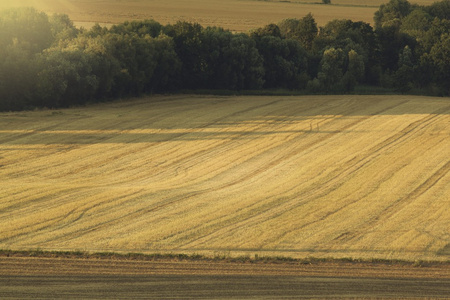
{"points": [[47, 278]]}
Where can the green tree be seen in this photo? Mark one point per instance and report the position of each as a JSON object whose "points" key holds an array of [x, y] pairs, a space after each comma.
{"points": [[268, 30], [417, 22], [439, 9], [391, 42], [246, 62], [355, 71], [62, 28], [440, 56], [65, 78], [393, 10], [138, 60], [141, 28], [232, 61], [427, 39], [168, 66], [403, 77], [106, 67], [331, 71], [304, 30], [18, 71], [25, 28], [357, 36], [285, 63], [187, 39]]}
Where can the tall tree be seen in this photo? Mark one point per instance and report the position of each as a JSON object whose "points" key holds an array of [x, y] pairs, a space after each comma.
{"points": [[62, 28], [18, 72], [25, 28], [268, 30], [393, 10], [440, 55], [355, 70], [304, 30], [187, 39], [331, 70], [285, 63], [66, 78], [404, 75], [439, 9], [141, 28]]}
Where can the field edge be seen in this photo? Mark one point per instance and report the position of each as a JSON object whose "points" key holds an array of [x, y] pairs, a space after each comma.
{"points": [[223, 257]]}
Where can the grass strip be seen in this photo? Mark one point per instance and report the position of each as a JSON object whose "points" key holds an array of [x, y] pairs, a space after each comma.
{"points": [[223, 258]]}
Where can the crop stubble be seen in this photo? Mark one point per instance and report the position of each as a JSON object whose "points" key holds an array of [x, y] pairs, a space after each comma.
{"points": [[235, 15], [324, 176]]}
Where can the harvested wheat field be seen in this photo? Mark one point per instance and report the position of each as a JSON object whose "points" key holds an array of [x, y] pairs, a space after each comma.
{"points": [[297, 176], [235, 15]]}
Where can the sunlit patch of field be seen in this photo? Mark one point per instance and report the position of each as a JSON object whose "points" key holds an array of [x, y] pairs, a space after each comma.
{"points": [[235, 15], [376, 3], [340, 176]]}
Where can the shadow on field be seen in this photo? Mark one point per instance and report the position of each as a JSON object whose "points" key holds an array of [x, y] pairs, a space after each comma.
{"points": [[194, 119], [85, 139]]}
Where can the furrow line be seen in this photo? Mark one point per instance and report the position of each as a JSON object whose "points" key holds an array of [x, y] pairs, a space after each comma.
{"points": [[355, 165], [396, 206], [330, 185]]}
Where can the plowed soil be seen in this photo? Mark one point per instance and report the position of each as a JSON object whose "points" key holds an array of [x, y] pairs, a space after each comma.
{"points": [[50, 278]]}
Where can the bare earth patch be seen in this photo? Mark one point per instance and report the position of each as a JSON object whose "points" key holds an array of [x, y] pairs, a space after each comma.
{"points": [[31, 278]]}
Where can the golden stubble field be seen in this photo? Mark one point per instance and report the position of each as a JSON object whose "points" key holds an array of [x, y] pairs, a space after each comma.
{"points": [[298, 176], [235, 15]]}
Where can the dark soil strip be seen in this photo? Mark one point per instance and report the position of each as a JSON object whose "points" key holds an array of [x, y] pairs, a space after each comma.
{"points": [[216, 287], [176, 277]]}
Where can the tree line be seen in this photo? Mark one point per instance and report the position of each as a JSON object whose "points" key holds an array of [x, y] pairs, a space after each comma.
{"points": [[45, 61]]}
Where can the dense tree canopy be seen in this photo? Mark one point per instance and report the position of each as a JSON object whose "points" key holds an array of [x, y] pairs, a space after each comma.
{"points": [[45, 61]]}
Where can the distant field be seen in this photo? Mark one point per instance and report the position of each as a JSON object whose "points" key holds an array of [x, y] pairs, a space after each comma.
{"points": [[236, 15], [323, 176]]}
